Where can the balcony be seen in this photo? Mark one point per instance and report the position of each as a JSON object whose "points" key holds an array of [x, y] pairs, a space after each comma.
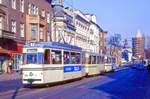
{"points": [[6, 34]]}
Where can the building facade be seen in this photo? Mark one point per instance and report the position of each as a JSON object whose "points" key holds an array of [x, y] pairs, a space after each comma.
{"points": [[138, 45], [22, 21], [76, 28], [63, 29]]}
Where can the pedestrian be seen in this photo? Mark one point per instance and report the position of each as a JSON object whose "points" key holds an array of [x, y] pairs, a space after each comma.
{"points": [[5, 66], [10, 62]]}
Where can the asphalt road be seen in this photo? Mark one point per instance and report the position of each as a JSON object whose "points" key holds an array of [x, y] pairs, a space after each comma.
{"points": [[124, 84]]}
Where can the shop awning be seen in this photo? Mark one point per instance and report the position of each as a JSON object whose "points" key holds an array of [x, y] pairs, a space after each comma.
{"points": [[4, 51]]}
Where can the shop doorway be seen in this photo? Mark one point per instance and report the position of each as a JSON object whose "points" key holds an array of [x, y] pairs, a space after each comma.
{"points": [[17, 61], [3, 57]]}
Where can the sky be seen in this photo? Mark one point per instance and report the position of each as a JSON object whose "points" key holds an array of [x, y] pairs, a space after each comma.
{"points": [[117, 16]]}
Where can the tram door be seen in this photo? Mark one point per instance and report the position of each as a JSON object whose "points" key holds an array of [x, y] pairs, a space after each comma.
{"points": [[17, 61]]}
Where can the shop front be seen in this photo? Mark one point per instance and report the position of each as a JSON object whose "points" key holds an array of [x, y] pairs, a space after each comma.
{"points": [[10, 51]]}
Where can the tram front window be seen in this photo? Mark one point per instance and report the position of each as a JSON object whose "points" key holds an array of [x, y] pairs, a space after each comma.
{"points": [[31, 58]]}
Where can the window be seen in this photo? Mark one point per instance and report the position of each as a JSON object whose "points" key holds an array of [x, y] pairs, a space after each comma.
{"points": [[48, 18], [13, 26], [56, 57], [90, 59], [1, 22], [33, 31], [22, 5], [93, 59], [75, 58], [98, 59], [66, 58], [0, 1], [43, 13], [47, 57], [48, 36], [13, 4], [21, 30], [33, 10], [31, 58], [41, 33]]}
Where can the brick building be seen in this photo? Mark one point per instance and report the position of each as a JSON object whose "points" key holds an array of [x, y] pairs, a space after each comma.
{"points": [[138, 45], [22, 21]]}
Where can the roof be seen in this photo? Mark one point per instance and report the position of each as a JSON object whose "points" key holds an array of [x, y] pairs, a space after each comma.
{"points": [[138, 34], [52, 45]]}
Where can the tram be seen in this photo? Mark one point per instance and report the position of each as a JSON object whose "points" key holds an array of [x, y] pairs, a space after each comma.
{"points": [[93, 63], [50, 62], [109, 61]]}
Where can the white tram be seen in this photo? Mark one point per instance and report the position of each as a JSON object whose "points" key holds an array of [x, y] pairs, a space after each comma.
{"points": [[50, 62], [93, 63], [109, 61]]}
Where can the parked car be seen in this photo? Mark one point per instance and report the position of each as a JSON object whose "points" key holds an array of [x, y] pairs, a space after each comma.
{"points": [[139, 66]]}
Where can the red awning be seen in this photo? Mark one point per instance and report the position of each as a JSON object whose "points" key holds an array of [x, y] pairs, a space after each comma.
{"points": [[19, 50], [4, 51]]}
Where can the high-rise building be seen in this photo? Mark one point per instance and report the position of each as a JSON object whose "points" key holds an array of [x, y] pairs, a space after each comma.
{"points": [[138, 45]]}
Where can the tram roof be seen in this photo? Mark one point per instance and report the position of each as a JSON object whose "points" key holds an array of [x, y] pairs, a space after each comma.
{"points": [[52, 45]]}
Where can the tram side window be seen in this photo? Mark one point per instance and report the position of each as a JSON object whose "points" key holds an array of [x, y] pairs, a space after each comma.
{"points": [[106, 60], [94, 60], [98, 59], [83, 58], [56, 57], [66, 57], [102, 59], [75, 58], [31, 58], [47, 56], [90, 60]]}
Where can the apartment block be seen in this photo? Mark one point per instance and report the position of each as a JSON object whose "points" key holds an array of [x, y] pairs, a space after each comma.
{"points": [[76, 28], [22, 21]]}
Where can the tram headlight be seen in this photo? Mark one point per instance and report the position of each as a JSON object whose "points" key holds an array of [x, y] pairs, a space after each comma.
{"points": [[31, 74]]}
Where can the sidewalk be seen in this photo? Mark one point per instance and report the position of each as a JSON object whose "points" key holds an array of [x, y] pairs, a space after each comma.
{"points": [[12, 76]]}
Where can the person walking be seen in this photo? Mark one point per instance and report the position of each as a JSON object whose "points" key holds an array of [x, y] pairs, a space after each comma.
{"points": [[5, 66], [10, 62]]}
